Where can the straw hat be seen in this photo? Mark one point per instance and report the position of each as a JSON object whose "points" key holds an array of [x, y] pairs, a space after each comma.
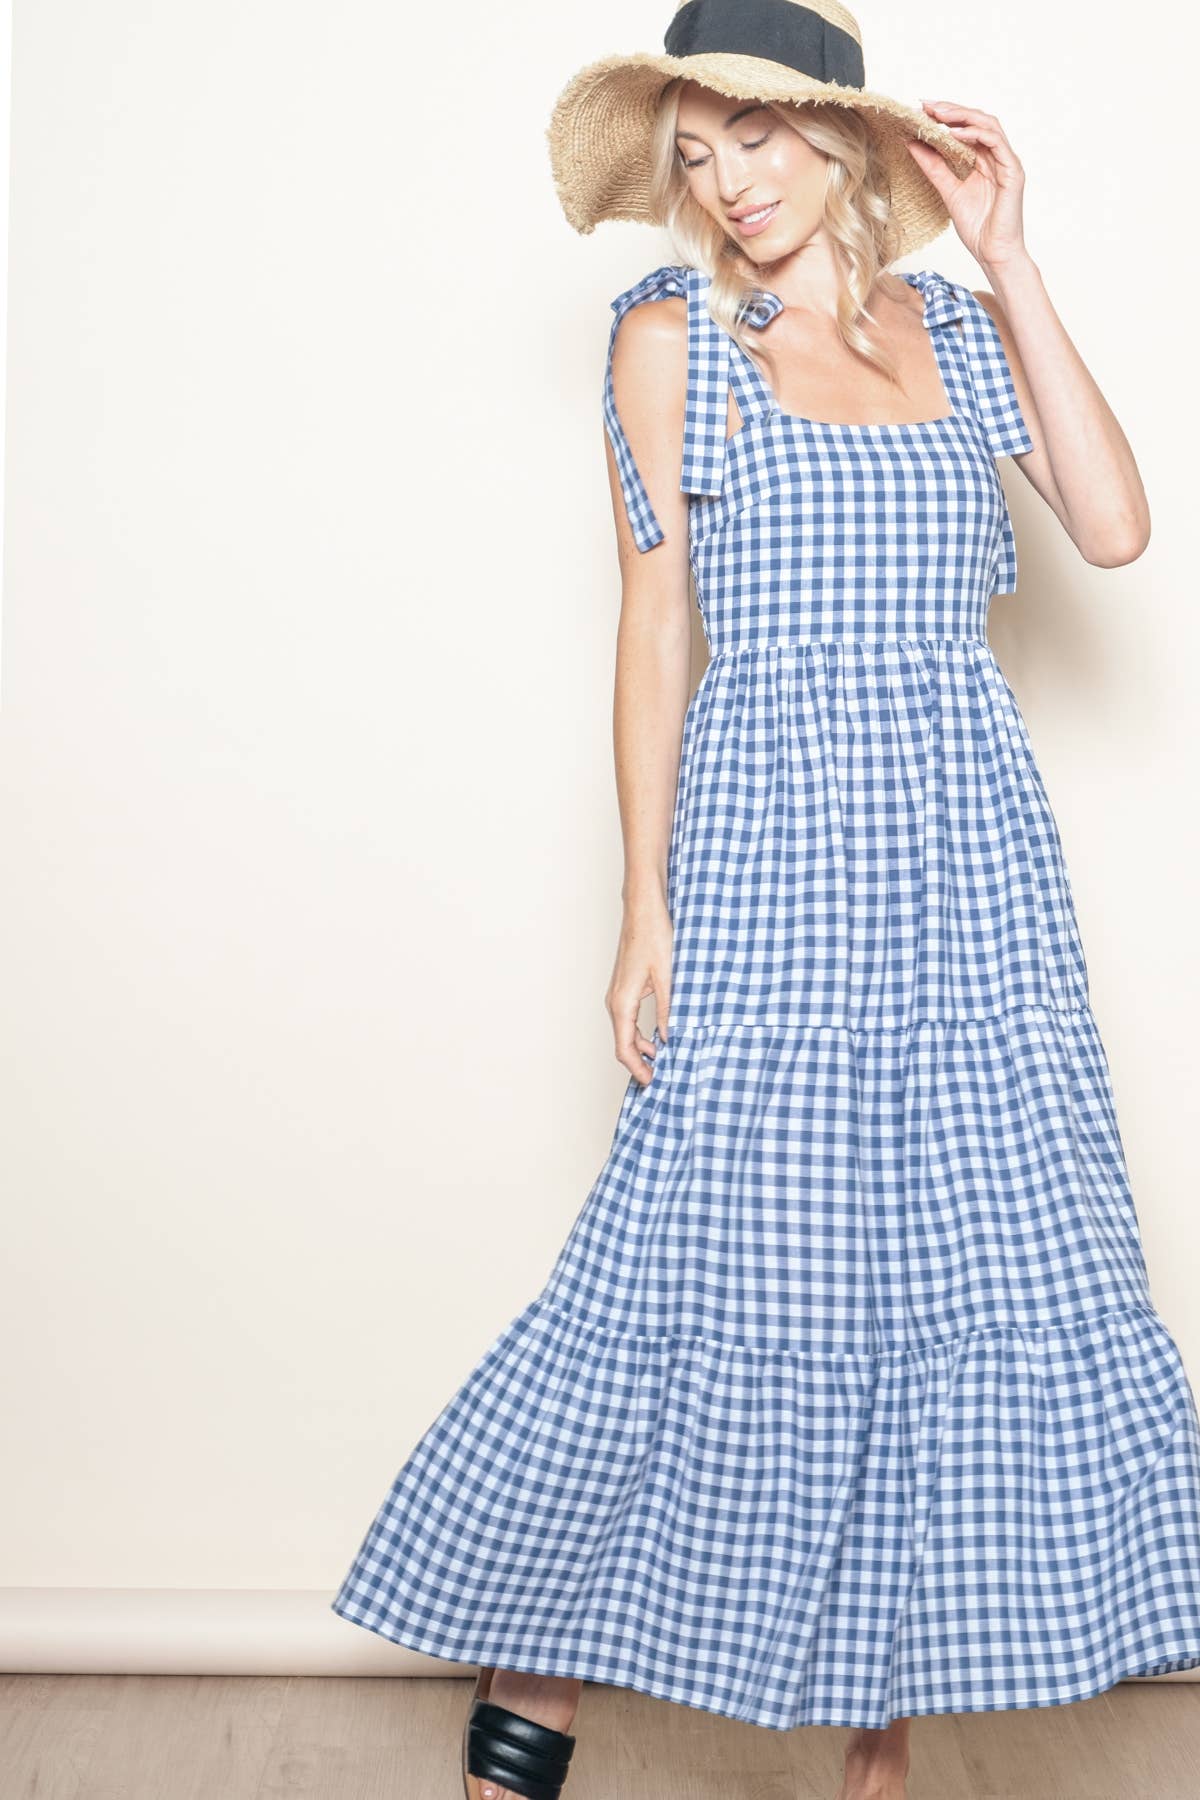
{"points": [[600, 130]]}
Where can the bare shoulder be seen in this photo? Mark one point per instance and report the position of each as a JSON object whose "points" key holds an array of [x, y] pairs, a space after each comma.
{"points": [[650, 348]]}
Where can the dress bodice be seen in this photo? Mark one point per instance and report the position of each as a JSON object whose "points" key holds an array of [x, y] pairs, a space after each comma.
{"points": [[802, 529]]}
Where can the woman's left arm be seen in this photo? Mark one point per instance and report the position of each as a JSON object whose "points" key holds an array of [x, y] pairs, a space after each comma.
{"points": [[1081, 462]]}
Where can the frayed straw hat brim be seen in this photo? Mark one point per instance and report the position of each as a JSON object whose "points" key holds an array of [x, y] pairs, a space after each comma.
{"points": [[600, 133]]}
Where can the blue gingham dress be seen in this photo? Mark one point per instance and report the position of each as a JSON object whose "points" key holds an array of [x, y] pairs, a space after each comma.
{"points": [[846, 1398]]}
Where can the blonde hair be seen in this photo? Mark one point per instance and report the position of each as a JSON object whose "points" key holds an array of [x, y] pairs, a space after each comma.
{"points": [[858, 216]]}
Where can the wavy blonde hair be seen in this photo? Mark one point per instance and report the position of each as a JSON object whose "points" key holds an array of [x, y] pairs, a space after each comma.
{"points": [[858, 216]]}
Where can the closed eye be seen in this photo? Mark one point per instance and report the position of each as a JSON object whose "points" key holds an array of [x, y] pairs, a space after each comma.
{"points": [[698, 162]]}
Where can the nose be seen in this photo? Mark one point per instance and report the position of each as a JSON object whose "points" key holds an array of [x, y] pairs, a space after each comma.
{"points": [[732, 181]]}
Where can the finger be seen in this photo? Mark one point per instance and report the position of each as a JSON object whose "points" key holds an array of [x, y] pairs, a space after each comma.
{"points": [[631, 1045], [637, 1068], [984, 133], [933, 165], [952, 116], [629, 1038], [955, 109], [992, 143]]}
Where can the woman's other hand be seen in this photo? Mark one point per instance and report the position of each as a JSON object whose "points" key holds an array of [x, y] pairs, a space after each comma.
{"points": [[643, 967]]}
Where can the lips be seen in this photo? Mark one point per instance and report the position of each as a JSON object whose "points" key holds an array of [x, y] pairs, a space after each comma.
{"points": [[756, 219]]}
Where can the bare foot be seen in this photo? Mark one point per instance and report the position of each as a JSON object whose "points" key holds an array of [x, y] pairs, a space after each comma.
{"points": [[877, 1764], [548, 1699]]}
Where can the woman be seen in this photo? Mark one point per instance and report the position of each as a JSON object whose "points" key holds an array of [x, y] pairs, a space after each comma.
{"points": [[846, 1399]]}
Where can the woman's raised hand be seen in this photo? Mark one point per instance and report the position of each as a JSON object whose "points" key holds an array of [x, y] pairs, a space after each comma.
{"points": [[985, 206]]}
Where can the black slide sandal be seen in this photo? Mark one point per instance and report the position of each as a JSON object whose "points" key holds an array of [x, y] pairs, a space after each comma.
{"points": [[514, 1752]]}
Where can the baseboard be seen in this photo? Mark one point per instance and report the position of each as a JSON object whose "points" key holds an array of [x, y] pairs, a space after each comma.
{"points": [[210, 1631]]}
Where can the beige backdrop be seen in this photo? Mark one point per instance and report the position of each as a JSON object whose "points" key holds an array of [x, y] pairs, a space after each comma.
{"points": [[311, 860]]}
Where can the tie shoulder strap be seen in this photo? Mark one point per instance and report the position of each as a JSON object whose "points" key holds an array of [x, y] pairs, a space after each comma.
{"points": [[992, 395], [703, 459], [659, 284], [999, 407], [978, 376]]}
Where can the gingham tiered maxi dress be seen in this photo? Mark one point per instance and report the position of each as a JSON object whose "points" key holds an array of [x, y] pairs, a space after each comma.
{"points": [[846, 1398]]}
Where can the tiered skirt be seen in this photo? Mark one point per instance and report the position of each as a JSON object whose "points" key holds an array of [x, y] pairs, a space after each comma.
{"points": [[846, 1398]]}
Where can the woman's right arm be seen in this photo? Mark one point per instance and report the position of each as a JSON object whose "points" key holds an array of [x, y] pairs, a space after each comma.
{"points": [[653, 663]]}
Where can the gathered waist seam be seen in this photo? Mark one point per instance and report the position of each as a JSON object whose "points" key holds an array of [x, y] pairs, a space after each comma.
{"points": [[806, 643]]}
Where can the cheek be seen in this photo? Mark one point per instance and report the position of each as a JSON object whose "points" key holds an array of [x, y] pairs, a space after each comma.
{"points": [[703, 185], [800, 176]]}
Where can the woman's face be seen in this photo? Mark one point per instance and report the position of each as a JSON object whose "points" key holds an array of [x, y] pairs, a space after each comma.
{"points": [[738, 158]]}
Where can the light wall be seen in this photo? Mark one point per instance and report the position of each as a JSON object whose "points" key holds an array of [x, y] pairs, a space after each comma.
{"points": [[311, 862]]}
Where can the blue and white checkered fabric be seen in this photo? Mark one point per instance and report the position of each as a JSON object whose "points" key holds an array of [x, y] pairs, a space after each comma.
{"points": [[846, 1398]]}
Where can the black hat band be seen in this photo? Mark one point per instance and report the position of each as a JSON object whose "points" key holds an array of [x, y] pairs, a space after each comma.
{"points": [[782, 31]]}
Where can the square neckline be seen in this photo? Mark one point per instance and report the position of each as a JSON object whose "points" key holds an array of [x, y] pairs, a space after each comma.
{"points": [[777, 412]]}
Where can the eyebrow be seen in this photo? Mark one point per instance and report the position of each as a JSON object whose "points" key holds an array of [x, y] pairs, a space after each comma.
{"points": [[756, 106]]}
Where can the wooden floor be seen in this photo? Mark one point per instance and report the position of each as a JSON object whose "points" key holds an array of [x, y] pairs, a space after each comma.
{"points": [[207, 1737]]}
